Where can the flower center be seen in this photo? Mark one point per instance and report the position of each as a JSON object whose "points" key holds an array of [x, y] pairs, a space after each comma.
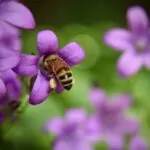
{"points": [[141, 45]]}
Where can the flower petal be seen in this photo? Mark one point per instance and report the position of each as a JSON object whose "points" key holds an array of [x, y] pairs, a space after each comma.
{"points": [[130, 126], [93, 130], [8, 31], [138, 143], [40, 90], [13, 84], [76, 115], [138, 20], [146, 60], [59, 88], [122, 101], [16, 43], [97, 96], [2, 88], [71, 144], [119, 39], [17, 14], [72, 53], [129, 63], [54, 125], [8, 58], [47, 42], [28, 65], [115, 142]]}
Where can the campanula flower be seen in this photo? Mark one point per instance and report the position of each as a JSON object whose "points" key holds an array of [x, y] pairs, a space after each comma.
{"points": [[138, 143], [109, 115], [133, 43], [71, 132], [47, 44]]}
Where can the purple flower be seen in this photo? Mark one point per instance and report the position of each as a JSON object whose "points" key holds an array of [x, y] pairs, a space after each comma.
{"points": [[71, 132], [10, 85], [109, 116], [12, 14], [138, 143], [47, 44], [9, 57], [16, 14], [134, 43]]}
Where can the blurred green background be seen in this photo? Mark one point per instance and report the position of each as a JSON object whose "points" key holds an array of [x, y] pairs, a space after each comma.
{"points": [[84, 21]]}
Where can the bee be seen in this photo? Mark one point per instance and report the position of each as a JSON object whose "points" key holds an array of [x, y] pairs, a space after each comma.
{"points": [[57, 69]]}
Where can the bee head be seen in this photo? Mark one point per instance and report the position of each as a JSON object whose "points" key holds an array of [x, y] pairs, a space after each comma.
{"points": [[53, 58]]}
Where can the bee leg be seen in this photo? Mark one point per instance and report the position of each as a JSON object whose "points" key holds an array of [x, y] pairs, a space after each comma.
{"points": [[52, 83]]}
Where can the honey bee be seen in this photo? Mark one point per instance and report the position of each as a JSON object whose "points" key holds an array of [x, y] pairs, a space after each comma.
{"points": [[56, 68]]}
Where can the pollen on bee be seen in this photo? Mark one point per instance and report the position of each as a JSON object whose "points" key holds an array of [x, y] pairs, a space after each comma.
{"points": [[52, 83], [73, 82]]}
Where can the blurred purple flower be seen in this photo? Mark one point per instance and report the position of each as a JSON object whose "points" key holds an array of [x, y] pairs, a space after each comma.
{"points": [[134, 43], [110, 117], [138, 143], [71, 132], [16, 14], [47, 44]]}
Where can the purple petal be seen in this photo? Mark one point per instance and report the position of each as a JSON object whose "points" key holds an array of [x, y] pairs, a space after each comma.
{"points": [[119, 39], [2, 88], [93, 129], [8, 31], [13, 84], [138, 143], [8, 58], [129, 63], [71, 144], [76, 115], [59, 88], [122, 101], [54, 125], [72, 53], [97, 96], [17, 14], [146, 60], [40, 90], [16, 44], [28, 65], [138, 20], [115, 142], [47, 42], [130, 126]]}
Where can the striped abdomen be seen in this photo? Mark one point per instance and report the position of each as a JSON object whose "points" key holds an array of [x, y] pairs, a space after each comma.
{"points": [[66, 79]]}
